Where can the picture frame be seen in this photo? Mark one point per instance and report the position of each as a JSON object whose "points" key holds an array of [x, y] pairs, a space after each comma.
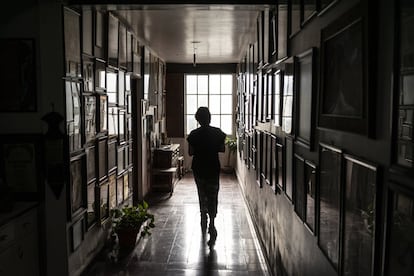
{"points": [[288, 97], [19, 55], [280, 151], [113, 40], [112, 155], [306, 86], [74, 128], [269, 159], [89, 103], [359, 217], [259, 156], [299, 186], [100, 32], [289, 187], [102, 157], [102, 114], [87, 30], [282, 30], [90, 164], [277, 98], [21, 165], [103, 201], [309, 9], [122, 44], [112, 182], [100, 76], [260, 38], [91, 210], [120, 189], [273, 34], [273, 157], [311, 186], [72, 43], [88, 75], [329, 198], [397, 251], [77, 184], [345, 100]]}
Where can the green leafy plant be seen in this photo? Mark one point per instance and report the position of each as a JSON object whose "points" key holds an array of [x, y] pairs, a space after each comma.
{"points": [[231, 144], [132, 218]]}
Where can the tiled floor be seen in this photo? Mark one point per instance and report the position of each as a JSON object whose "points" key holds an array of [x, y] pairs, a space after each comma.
{"points": [[177, 247]]}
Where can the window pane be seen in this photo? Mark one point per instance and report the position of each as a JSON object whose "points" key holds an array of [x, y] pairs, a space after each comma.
{"points": [[226, 104], [191, 104], [215, 120], [214, 104], [226, 84], [202, 84], [202, 100], [214, 84], [191, 123], [226, 124], [191, 84]]}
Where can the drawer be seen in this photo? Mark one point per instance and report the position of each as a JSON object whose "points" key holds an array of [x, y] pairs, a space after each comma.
{"points": [[7, 235]]}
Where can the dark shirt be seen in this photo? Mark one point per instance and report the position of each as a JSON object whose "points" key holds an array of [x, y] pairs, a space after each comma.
{"points": [[206, 142]]}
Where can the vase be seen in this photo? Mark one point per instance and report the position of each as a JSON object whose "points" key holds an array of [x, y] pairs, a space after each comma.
{"points": [[127, 238]]}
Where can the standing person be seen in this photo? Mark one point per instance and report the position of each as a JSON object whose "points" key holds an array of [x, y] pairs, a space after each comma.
{"points": [[204, 145]]}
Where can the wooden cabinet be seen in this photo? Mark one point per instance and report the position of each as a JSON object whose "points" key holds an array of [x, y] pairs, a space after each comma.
{"points": [[165, 168], [19, 251]]}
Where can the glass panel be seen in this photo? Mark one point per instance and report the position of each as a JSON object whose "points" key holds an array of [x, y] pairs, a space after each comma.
{"points": [[191, 84], [202, 84], [226, 84], [191, 123], [226, 124], [215, 120], [214, 84], [226, 104], [214, 104], [191, 104], [202, 100]]}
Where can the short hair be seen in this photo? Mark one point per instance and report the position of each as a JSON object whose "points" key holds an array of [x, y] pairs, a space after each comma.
{"points": [[203, 116]]}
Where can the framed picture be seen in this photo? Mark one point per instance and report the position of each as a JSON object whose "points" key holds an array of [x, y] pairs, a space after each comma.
{"points": [[100, 76], [19, 79], [273, 163], [289, 168], [112, 86], [295, 16], [306, 85], [288, 97], [308, 10], [282, 29], [273, 34], [87, 24], [91, 211], [113, 35], [404, 153], [259, 157], [122, 46], [269, 153], [112, 151], [277, 98], [90, 118], [120, 189], [129, 41], [104, 201], [72, 39], [100, 25], [88, 75], [77, 184], [73, 115], [310, 186], [280, 151], [329, 199], [102, 146], [259, 33], [102, 114], [121, 160], [345, 101], [299, 191], [112, 191], [136, 57], [400, 221], [90, 164], [21, 164], [126, 186], [359, 217]]}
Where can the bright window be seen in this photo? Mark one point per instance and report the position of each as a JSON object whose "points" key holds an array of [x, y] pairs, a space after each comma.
{"points": [[214, 91]]}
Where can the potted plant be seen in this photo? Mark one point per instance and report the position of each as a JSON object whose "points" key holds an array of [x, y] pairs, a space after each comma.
{"points": [[127, 222], [231, 144]]}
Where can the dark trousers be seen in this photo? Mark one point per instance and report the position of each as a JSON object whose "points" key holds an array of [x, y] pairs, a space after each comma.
{"points": [[207, 189]]}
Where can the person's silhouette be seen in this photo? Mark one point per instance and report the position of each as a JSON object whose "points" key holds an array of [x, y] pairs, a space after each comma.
{"points": [[204, 144]]}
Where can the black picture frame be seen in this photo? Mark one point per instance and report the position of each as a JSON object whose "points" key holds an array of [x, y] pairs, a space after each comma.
{"points": [[259, 157], [87, 30], [102, 158], [100, 33], [311, 187], [299, 186], [90, 164], [122, 46], [102, 115], [113, 40], [400, 214], [77, 184], [74, 129], [120, 189], [112, 182], [72, 40], [345, 100], [19, 75], [260, 38], [273, 153], [92, 203], [359, 217], [289, 187], [112, 155], [282, 30], [329, 202], [277, 98], [100, 76], [88, 74], [103, 201], [21, 165], [306, 85], [89, 103], [273, 34], [288, 97]]}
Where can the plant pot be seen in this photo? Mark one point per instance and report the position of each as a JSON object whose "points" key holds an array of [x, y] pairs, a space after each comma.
{"points": [[127, 238]]}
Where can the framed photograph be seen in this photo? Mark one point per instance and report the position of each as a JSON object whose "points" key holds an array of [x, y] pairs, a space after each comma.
{"points": [[113, 35], [102, 146], [100, 76], [282, 29], [345, 100], [112, 86], [295, 16], [269, 159], [306, 85], [112, 191], [100, 26], [136, 57], [126, 186], [308, 10], [88, 75], [90, 118], [289, 168], [310, 185], [299, 191], [113, 126], [72, 39], [273, 161], [102, 114], [329, 202], [288, 97], [277, 98], [87, 30], [77, 184], [19, 79], [263, 158], [73, 115], [121, 160], [400, 221], [91, 211], [359, 217], [112, 151], [104, 201], [129, 41], [21, 164], [120, 189], [90, 164], [122, 46]]}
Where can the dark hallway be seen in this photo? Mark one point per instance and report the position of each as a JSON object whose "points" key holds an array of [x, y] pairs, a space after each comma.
{"points": [[176, 246]]}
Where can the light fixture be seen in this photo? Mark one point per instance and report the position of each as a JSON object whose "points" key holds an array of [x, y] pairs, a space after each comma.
{"points": [[194, 52]]}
